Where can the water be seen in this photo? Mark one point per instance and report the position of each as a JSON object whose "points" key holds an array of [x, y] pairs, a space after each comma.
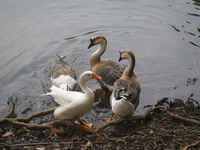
{"points": [[164, 36]]}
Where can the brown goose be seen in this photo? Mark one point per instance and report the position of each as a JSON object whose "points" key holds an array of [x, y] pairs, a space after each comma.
{"points": [[63, 75], [125, 96], [108, 69]]}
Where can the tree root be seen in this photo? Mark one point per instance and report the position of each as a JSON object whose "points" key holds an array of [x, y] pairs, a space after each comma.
{"points": [[192, 145], [16, 146], [130, 118], [10, 111], [175, 116], [24, 122]]}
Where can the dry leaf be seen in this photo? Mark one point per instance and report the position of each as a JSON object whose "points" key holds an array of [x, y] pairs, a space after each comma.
{"points": [[7, 134]]}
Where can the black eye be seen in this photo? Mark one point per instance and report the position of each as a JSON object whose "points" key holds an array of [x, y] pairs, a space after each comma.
{"points": [[91, 40]]}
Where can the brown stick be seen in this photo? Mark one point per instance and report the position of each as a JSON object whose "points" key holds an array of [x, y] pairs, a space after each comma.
{"points": [[29, 118], [24, 122], [176, 116], [41, 113], [48, 125], [10, 110], [192, 145], [21, 122], [10, 146], [36, 144], [131, 118]]}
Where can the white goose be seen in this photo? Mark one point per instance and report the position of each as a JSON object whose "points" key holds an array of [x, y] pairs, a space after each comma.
{"points": [[74, 104], [108, 69], [63, 75], [125, 97]]}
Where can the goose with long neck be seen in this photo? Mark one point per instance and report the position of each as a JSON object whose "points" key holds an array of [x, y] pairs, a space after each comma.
{"points": [[127, 54], [63, 75], [74, 104], [125, 97], [108, 69]]}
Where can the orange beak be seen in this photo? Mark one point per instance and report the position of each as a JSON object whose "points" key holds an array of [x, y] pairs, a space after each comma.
{"points": [[95, 76]]}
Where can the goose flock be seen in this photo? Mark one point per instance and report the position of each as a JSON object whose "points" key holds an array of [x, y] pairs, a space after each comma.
{"points": [[111, 76]]}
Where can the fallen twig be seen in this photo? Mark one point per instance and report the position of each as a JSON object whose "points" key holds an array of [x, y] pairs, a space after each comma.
{"points": [[10, 111], [24, 122], [21, 122], [8, 146], [41, 113], [130, 118], [176, 116], [192, 145], [16, 146], [112, 139]]}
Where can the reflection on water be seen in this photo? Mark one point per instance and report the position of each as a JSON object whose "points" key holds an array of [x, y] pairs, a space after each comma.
{"points": [[164, 36]]}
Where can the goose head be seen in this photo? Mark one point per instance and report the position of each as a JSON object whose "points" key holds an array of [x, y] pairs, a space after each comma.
{"points": [[126, 54], [98, 39], [87, 75]]}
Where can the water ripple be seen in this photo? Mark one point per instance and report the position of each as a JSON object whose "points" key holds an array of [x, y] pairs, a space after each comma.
{"points": [[72, 37]]}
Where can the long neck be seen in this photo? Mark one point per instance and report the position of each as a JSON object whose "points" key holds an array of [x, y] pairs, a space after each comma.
{"points": [[128, 72], [95, 57], [83, 86]]}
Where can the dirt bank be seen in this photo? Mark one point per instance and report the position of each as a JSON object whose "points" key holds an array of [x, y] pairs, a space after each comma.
{"points": [[175, 126]]}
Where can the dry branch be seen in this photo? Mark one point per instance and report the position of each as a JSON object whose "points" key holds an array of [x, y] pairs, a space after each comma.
{"points": [[192, 145], [3, 145], [10, 111], [28, 119], [16, 146], [41, 113], [176, 116], [131, 118], [24, 122]]}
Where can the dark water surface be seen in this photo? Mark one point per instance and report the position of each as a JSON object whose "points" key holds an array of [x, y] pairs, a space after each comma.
{"points": [[164, 35]]}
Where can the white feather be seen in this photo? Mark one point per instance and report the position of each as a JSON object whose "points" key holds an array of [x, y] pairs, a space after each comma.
{"points": [[121, 107], [64, 81], [73, 104]]}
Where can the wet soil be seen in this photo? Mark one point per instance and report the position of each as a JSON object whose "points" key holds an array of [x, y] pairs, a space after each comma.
{"points": [[157, 131]]}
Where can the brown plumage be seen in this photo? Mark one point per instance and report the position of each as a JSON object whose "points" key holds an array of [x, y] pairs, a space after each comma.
{"points": [[63, 75], [108, 69], [127, 86], [61, 67], [125, 97]]}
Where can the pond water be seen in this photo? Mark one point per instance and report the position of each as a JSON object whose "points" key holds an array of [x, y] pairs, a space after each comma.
{"points": [[164, 36]]}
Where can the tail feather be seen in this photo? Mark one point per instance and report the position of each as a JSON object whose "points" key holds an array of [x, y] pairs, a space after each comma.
{"points": [[53, 88], [45, 94], [62, 58]]}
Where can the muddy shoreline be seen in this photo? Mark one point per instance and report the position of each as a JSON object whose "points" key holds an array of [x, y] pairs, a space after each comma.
{"points": [[158, 130]]}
